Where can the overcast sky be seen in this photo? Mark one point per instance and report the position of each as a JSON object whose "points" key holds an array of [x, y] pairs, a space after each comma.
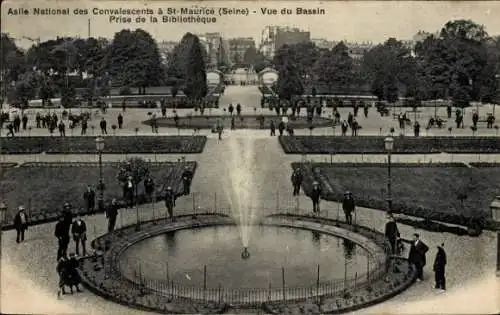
{"points": [[352, 21]]}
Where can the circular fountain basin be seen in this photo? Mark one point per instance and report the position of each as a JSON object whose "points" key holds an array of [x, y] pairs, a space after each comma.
{"points": [[183, 255]]}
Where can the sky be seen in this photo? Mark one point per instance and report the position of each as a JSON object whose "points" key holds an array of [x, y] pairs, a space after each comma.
{"points": [[373, 21]]}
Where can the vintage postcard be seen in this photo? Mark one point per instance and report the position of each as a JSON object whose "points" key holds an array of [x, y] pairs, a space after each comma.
{"points": [[250, 157]]}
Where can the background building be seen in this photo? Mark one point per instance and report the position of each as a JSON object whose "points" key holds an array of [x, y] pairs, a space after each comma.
{"points": [[214, 47], [238, 47], [324, 43], [274, 37]]}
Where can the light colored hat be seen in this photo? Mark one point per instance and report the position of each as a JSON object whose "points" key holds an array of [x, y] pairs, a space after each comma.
{"points": [[347, 193], [21, 208], [169, 188], [315, 183]]}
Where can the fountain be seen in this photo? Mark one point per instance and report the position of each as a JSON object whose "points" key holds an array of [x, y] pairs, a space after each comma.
{"points": [[239, 185]]}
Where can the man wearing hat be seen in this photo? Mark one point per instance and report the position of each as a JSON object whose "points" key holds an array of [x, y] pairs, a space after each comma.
{"points": [[79, 231], [128, 191], [170, 201], [439, 267], [111, 214], [89, 199], [417, 255], [392, 233], [62, 235], [296, 181], [315, 196], [20, 224], [187, 176], [348, 205]]}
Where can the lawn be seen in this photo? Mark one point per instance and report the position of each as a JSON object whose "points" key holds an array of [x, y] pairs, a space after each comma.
{"points": [[426, 191], [375, 144], [44, 187], [113, 144], [244, 122]]}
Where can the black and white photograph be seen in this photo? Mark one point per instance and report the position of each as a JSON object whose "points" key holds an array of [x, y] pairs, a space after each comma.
{"points": [[249, 157]]}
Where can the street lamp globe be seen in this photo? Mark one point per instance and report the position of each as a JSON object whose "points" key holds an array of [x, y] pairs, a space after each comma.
{"points": [[389, 144], [99, 143]]}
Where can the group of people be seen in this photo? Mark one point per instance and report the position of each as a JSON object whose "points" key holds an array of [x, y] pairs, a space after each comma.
{"points": [[418, 249]]}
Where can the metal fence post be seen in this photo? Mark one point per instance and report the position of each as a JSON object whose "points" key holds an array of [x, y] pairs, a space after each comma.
{"points": [[277, 201], [220, 298], [215, 202], [345, 273], [153, 206], [194, 203], [284, 284], [368, 269], [205, 283], [317, 284]]}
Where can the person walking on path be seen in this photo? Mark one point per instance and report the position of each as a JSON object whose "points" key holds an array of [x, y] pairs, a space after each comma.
{"points": [[20, 224], [89, 199], [272, 126], [316, 196], [349, 206], [79, 231], [392, 234], [103, 125], [187, 177], [296, 181], [62, 236], [439, 268], [111, 214], [417, 255], [120, 121], [170, 201]]}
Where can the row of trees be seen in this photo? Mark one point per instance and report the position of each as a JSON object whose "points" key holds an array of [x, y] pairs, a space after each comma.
{"points": [[130, 59], [460, 63]]}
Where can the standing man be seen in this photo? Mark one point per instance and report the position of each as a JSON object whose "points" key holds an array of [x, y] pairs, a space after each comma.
{"points": [[79, 231], [187, 176], [348, 205], [149, 187], [170, 201], [417, 255], [89, 199], [62, 236], [315, 196], [120, 121], [392, 233], [128, 192], [439, 266], [103, 124], [20, 224], [272, 126], [296, 181], [111, 214]]}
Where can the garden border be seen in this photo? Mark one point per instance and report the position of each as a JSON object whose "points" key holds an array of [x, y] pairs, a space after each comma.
{"points": [[332, 145]]}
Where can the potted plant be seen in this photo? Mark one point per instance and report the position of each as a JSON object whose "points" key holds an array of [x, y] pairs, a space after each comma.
{"points": [[391, 131], [114, 129], [474, 129], [450, 129], [136, 130], [496, 129]]}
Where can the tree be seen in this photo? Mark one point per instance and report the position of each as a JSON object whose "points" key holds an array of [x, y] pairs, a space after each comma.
{"points": [[289, 81], [250, 56], [335, 68], [195, 74], [134, 60], [25, 88]]}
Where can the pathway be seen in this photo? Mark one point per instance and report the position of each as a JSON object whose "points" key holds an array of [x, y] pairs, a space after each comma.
{"points": [[30, 267]]}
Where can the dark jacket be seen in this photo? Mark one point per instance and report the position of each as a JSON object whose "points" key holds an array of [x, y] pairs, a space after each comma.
{"points": [[17, 221], [348, 205], [391, 230], [169, 198], [61, 231], [89, 195], [68, 219], [149, 185], [440, 260], [316, 193], [78, 229], [187, 175], [112, 211], [417, 253], [297, 178]]}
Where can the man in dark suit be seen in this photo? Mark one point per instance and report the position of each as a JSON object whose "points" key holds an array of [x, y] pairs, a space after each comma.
{"points": [[170, 201], [348, 205], [89, 199], [149, 187], [439, 267], [79, 231], [417, 255], [62, 235], [296, 181], [20, 224], [316, 196], [187, 176], [128, 192], [111, 214], [392, 233]]}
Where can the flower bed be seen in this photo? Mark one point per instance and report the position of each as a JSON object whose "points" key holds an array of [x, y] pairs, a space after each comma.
{"points": [[243, 122], [430, 191], [375, 144], [43, 188], [113, 144]]}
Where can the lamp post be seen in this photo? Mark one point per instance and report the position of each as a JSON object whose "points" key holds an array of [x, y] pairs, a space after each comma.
{"points": [[99, 143], [497, 76], [495, 215], [389, 146]]}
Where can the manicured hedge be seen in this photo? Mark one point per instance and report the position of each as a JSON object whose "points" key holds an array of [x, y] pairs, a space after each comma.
{"points": [[43, 188], [375, 144], [113, 144], [427, 191]]}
